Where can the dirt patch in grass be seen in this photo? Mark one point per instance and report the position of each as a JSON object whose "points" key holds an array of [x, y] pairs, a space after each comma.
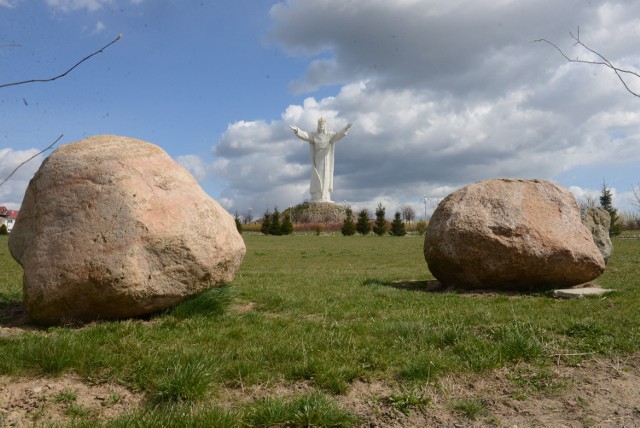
{"points": [[244, 307], [595, 392], [44, 402]]}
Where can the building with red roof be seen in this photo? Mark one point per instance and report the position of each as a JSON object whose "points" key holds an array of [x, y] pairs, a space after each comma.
{"points": [[8, 217]]}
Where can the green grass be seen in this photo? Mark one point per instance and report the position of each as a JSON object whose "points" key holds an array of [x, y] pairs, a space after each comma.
{"points": [[10, 276], [185, 381], [306, 410], [470, 408], [324, 310], [532, 379], [408, 399], [65, 396]]}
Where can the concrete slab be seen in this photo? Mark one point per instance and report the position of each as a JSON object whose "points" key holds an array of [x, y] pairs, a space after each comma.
{"points": [[577, 293]]}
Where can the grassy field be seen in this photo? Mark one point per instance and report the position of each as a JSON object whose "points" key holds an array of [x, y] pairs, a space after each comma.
{"points": [[323, 311]]}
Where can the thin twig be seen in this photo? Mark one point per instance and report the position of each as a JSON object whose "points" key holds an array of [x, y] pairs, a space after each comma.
{"points": [[571, 354], [605, 61], [616, 369], [10, 45], [37, 154], [66, 72]]}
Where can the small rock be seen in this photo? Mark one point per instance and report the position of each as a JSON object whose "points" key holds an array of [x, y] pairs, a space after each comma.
{"points": [[598, 220], [578, 293]]}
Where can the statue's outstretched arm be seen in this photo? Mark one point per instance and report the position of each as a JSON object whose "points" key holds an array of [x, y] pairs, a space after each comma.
{"points": [[341, 133], [300, 133]]}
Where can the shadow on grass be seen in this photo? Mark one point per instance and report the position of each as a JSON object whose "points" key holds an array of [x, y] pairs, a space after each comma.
{"points": [[12, 315], [430, 286], [435, 286], [212, 302]]}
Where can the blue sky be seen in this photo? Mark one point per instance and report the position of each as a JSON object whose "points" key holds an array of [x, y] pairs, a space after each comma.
{"points": [[441, 94]]}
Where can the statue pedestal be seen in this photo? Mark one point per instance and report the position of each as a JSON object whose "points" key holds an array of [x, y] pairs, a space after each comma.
{"points": [[317, 212]]}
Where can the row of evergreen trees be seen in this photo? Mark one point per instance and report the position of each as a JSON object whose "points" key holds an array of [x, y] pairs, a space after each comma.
{"points": [[363, 225], [272, 225]]}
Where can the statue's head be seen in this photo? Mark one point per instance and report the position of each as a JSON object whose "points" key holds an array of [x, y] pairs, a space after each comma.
{"points": [[322, 126]]}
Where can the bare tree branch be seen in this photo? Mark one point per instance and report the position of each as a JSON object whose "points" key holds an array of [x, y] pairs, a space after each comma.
{"points": [[32, 157], [588, 200], [50, 80], [604, 61], [66, 72]]}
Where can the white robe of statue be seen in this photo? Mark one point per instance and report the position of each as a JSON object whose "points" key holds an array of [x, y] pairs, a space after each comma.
{"points": [[322, 149]]}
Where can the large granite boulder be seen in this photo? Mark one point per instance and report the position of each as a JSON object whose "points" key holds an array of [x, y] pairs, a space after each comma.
{"points": [[598, 221], [510, 234], [112, 227]]}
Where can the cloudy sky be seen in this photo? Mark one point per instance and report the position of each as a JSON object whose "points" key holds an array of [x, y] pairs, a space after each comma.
{"points": [[440, 94]]}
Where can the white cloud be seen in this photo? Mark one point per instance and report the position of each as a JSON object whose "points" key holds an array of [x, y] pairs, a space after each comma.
{"points": [[440, 95], [73, 5], [99, 28], [627, 202], [585, 195], [406, 43], [195, 165], [8, 3], [12, 191], [404, 144], [623, 199]]}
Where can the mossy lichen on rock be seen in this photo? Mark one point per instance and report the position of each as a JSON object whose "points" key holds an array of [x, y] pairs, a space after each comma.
{"points": [[317, 212]]}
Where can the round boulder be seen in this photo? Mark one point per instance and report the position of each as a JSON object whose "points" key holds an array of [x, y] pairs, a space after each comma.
{"points": [[111, 227], [510, 234]]}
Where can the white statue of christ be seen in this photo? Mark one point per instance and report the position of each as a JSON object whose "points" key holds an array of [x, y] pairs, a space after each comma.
{"points": [[322, 148]]}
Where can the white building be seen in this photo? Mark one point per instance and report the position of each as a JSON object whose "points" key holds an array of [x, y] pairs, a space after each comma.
{"points": [[8, 217]]}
